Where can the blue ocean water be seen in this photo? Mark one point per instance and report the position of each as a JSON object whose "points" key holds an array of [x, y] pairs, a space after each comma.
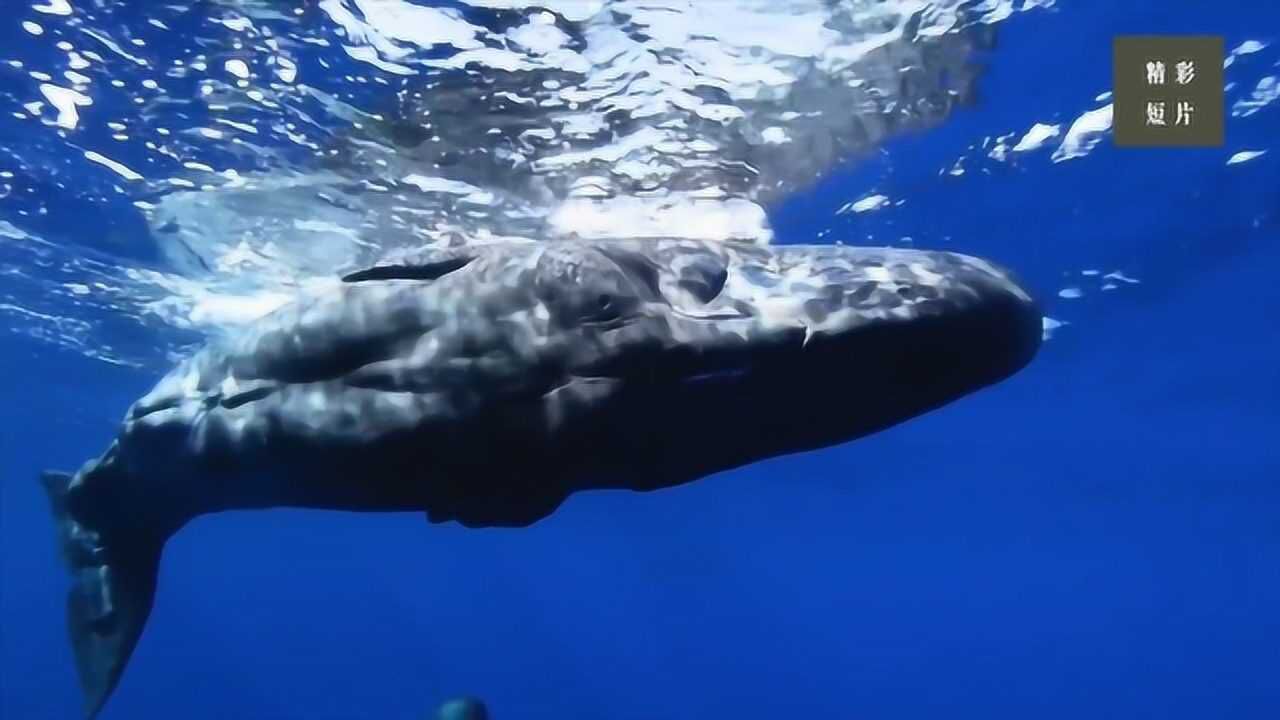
{"points": [[1094, 537]]}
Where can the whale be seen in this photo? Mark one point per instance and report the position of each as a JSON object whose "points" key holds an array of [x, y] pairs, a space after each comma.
{"points": [[485, 384]]}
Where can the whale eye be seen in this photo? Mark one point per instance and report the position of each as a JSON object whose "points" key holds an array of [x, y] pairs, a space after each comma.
{"points": [[606, 308], [584, 286]]}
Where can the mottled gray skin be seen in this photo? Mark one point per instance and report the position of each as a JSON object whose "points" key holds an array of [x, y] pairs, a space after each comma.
{"points": [[489, 394], [485, 385]]}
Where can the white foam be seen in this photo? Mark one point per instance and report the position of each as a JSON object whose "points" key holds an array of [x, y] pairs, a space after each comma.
{"points": [[376, 39], [54, 7], [453, 187], [370, 55], [538, 36], [1048, 325], [737, 104], [1036, 137], [113, 46], [1085, 134], [286, 69], [420, 25], [1000, 151], [114, 166], [866, 204], [237, 67], [673, 216], [8, 230], [774, 135], [1245, 156], [238, 24], [66, 101], [1248, 47], [1266, 92], [1119, 275]]}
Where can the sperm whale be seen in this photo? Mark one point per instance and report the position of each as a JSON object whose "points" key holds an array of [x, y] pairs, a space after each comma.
{"points": [[484, 385]]}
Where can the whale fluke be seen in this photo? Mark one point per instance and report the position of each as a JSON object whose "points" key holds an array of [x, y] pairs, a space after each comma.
{"points": [[113, 584]]}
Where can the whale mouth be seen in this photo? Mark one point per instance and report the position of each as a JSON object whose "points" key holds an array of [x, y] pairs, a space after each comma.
{"points": [[718, 376]]}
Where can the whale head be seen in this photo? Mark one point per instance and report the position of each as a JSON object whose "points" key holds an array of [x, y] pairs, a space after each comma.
{"points": [[647, 363]]}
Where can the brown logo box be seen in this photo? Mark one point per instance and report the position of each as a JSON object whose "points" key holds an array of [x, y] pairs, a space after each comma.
{"points": [[1168, 91]]}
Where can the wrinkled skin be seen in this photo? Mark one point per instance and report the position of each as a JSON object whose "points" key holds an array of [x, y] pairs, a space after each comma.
{"points": [[485, 385]]}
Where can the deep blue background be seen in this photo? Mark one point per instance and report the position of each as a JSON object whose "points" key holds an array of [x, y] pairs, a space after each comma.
{"points": [[1096, 537]]}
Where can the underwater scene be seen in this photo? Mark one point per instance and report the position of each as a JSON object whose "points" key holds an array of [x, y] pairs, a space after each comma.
{"points": [[639, 359]]}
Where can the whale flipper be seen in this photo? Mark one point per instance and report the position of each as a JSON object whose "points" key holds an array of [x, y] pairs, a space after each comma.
{"points": [[113, 585], [411, 268]]}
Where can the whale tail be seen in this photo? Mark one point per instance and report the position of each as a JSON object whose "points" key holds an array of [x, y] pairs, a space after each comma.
{"points": [[113, 584]]}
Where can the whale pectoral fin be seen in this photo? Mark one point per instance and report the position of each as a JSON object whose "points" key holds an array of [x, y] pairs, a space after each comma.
{"points": [[113, 585], [410, 270]]}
